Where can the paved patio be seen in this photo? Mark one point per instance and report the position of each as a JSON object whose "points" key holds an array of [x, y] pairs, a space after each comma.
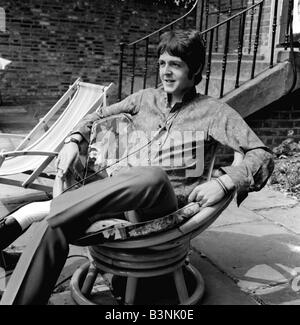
{"points": [[250, 255]]}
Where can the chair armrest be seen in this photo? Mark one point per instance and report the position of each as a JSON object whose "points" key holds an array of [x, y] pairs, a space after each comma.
{"points": [[6, 154], [206, 216]]}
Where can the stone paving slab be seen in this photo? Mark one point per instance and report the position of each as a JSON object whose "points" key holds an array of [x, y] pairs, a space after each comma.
{"points": [[62, 298], [252, 252], [13, 196], [287, 217], [103, 297], [283, 294], [233, 214], [267, 198], [219, 288]]}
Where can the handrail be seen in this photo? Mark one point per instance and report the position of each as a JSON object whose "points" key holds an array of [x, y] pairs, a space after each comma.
{"points": [[164, 27], [232, 17]]}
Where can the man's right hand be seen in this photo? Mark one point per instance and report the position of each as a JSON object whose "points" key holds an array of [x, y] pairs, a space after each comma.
{"points": [[66, 157]]}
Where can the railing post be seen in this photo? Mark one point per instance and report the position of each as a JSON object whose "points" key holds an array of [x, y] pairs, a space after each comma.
{"points": [[201, 15], [230, 8], [146, 62], [240, 49], [122, 45], [157, 65], [251, 27], [224, 63], [256, 40], [206, 20], [133, 67], [287, 33], [208, 68], [274, 26], [217, 31]]}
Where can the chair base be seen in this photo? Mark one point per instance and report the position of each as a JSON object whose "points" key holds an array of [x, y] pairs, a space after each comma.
{"points": [[84, 277]]}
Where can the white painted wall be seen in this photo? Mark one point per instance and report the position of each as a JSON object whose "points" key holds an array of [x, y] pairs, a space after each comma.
{"points": [[296, 14]]}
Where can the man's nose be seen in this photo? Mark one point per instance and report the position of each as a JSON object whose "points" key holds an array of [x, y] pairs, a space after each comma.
{"points": [[167, 69]]}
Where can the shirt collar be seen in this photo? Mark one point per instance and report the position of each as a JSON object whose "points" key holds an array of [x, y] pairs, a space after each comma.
{"points": [[188, 96]]}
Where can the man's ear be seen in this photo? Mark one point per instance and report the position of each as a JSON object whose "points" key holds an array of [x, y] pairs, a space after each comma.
{"points": [[199, 69], [197, 72]]}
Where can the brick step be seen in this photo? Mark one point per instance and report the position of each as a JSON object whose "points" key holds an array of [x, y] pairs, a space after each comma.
{"points": [[215, 86], [231, 68], [234, 56]]}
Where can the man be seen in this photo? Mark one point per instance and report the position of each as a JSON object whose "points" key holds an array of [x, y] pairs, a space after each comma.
{"points": [[149, 190]]}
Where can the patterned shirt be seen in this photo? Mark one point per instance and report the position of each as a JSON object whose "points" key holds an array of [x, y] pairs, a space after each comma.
{"points": [[210, 120]]}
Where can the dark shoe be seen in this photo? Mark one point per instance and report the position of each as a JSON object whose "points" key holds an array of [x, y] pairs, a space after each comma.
{"points": [[10, 230]]}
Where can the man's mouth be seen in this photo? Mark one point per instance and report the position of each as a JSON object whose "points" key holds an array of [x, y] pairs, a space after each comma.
{"points": [[168, 81]]}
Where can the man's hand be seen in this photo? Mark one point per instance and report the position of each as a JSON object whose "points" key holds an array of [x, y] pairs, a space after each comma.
{"points": [[66, 157], [207, 193]]}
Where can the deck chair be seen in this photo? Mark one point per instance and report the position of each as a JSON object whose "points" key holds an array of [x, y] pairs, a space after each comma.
{"points": [[146, 250], [36, 150]]}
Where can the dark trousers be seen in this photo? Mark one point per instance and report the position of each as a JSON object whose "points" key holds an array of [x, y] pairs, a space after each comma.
{"points": [[146, 190]]}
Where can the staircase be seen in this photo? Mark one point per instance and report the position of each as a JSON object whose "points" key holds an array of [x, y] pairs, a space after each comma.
{"points": [[240, 69], [231, 72]]}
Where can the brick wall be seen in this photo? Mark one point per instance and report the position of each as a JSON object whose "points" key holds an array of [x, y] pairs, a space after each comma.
{"points": [[273, 124], [52, 42]]}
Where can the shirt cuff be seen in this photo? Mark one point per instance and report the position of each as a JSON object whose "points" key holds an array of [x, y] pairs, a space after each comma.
{"points": [[236, 179], [227, 181]]}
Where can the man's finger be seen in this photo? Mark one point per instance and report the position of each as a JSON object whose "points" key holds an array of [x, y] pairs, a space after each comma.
{"points": [[192, 196], [200, 197]]}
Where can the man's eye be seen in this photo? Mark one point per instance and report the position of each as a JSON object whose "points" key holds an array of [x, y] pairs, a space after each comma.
{"points": [[161, 63]]}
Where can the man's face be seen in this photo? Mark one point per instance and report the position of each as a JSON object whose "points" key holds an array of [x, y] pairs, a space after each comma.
{"points": [[174, 75]]}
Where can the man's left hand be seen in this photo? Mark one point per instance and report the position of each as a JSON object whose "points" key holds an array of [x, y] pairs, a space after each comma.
{"points": [[207, 193]]}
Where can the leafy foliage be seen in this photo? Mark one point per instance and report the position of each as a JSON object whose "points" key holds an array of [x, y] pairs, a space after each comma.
{"points": [[286, 175]]}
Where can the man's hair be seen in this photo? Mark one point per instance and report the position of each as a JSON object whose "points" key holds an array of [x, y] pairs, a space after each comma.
{"points": [[187, 45]]}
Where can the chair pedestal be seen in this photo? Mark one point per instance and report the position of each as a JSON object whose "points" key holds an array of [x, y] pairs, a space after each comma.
{"points": [[135, 264]]}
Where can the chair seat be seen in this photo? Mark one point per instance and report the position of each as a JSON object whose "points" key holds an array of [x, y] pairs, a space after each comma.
{"points": [[145, 250], [110, 230]]}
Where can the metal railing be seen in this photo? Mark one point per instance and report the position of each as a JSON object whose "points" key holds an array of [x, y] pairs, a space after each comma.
{"points": [[209, 34], [144, 42], [227, 37]]}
